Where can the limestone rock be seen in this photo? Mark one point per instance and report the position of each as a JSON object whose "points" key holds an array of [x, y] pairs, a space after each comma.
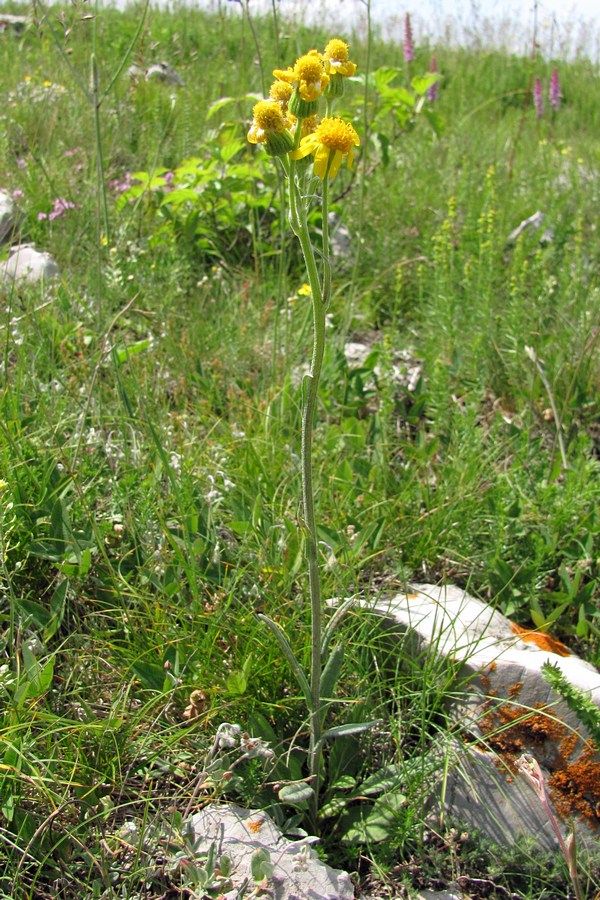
{"points": [[165, 73], [17, 23], [25, 263], [8, 215], [505, 708], [241, 834], [531, 224]]}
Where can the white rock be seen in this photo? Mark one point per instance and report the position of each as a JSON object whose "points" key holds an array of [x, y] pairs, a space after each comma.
{"points": [[505, 708], [17, 23], [164, 72], [8, 215], [25, 263], [532, 223], [240, 833]]}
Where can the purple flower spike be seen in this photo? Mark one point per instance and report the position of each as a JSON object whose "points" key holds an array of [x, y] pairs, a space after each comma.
{"points": [[409, 50], [555, 93], [432, 92], [538, 100]]}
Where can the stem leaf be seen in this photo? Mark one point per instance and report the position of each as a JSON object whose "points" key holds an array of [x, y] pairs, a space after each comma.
{"points": [[350, 728], [291, 658]]}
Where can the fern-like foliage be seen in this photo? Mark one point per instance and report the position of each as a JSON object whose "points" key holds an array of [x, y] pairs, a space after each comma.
{"points": [[577, 700]]}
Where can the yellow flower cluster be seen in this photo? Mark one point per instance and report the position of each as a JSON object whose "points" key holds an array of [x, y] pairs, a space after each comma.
{"points": [[288, 122]]}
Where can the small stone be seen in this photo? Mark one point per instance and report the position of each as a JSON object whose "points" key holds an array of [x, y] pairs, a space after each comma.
{"points": [[240, 834], [165, 73], [532, 224], [8, 215], [30, 265], [16, 23]]}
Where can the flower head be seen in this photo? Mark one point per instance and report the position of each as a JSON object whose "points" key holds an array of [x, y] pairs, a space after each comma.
{"points": [[336, 58], [332, 142], [538, 99], [555, 93], [408, 46], [282, 92], [269, 127], [308, 75]]}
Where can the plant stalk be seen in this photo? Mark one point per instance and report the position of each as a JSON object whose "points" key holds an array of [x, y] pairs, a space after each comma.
{"points": [[311, 387]]}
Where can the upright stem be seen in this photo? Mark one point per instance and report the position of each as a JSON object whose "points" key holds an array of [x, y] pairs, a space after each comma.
{"points": [[311, 387]]}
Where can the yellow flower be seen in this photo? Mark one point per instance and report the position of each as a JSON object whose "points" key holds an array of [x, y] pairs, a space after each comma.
{"points": [[332, 141], [309, 75], [281, 92], [309, 124], [269, 127], [336, 56]]}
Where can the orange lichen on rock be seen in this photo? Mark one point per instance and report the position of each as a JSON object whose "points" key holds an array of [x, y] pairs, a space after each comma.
{"points": [[541, 640], [574, 784], [515, 689], [576, 787]]}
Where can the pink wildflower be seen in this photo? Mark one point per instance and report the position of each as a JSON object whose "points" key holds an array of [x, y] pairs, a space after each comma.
{"points": [[60, 207], [432, 92], [554, 93], [18, 194], [538, 99], [408, 47], [121, 184]]}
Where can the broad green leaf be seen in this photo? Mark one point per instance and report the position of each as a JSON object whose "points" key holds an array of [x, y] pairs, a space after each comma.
{"points": [[151, 675], [231, 149], [384, 75], [236, 684], [57, 609], [261, 866], [350, 728], [289, 655], [331, 672], [40, 615], [421, 83], [221, 103], [395, 96], [296, 794], [345, 783], [180, 196], [365, 826], [435, 120], [385, 779], [125, 351]]}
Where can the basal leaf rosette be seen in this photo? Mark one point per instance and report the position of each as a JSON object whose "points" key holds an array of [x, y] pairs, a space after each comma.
{"points": [[332, 141]]}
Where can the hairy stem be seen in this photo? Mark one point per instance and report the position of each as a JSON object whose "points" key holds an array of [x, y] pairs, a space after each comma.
{"points": [[311, 387]]}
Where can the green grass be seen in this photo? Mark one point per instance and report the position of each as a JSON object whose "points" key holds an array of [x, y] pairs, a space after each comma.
{"points": [[150, 417]]}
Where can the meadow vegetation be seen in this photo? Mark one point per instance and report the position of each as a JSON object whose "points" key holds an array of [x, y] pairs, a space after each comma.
{"points": [[150, 413]]}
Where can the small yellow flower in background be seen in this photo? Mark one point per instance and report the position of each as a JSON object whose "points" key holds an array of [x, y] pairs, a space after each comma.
{"points": [[308, 75], [269, 127], [304, 290], [336, 55], [309, 124], [47, 83], [332, 141], [282, 92]]}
